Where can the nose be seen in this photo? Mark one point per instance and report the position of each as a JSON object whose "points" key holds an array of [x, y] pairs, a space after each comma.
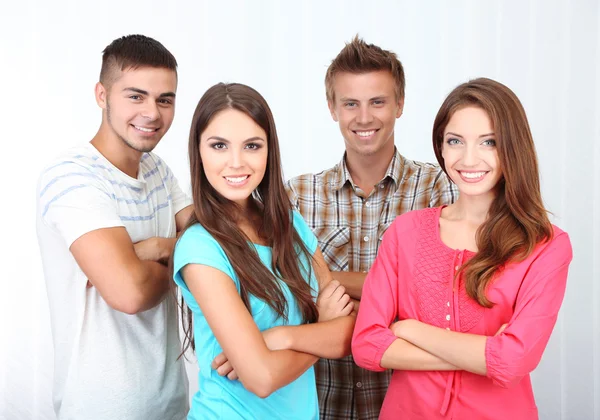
{"points": [[150, 111], [364, 115], [235, 159], [470, 156]]}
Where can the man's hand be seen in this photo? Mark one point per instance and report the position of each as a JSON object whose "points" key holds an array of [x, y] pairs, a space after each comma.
{"points": [[333, 302], [155, 249]]}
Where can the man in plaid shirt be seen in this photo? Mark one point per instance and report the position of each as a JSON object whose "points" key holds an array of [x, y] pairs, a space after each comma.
{"points": [[350, 206]]}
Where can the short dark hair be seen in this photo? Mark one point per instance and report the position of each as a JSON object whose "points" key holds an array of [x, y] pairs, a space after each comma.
{"points": [[358, 57], [131, 52]]}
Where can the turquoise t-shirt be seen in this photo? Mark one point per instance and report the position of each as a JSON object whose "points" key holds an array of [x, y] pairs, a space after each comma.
{"points": [[217, 396]]}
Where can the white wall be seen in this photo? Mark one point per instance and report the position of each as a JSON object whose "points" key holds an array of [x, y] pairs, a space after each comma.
{"points": [[548, 52]]}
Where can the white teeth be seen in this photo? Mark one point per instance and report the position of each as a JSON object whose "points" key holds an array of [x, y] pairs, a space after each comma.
{"points": [[365, 133], [236, 180], [144, 129], [473, 175]]}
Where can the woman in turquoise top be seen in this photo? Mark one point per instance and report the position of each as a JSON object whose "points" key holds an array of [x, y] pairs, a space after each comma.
{"points": [[250, 271]]}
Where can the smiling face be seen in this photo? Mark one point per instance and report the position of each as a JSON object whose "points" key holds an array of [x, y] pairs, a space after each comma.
{"points": [[366, 108], [233, 150], [470, 153], [139, 106]]}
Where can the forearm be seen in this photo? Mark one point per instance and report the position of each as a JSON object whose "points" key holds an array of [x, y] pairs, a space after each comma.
{"points": [[164, 249], [149, 286], [281, 368], [402, 355], [330, 339], [352, 282], [465, 351]]}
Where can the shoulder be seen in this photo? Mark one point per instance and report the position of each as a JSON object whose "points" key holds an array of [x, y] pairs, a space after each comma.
{"points": [[304, 231], [429, 172], [320, 180], [407, 224], [75, 168], [75, 159], [559, 244], [194, 237]]}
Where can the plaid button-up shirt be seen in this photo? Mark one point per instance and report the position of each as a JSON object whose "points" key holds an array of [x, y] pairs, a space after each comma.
{"points": [[349, 226]]}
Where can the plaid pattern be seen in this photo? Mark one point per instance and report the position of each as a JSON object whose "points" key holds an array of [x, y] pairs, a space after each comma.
{"points": [[349, 227]]}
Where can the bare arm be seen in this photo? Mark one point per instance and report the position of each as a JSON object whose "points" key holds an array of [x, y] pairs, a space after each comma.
{"points": [[182, 217], [108, 259], [352, 281], [160, 249], [331, 337], [261, 370]]}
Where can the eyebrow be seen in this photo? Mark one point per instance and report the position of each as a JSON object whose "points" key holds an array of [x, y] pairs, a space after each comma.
{"points": [[344, 99], [144, 92], [224, 140], [458, 135]]}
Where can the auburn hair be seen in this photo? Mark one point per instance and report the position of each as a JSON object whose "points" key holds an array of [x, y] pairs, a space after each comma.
{"points": [[517, 220]]}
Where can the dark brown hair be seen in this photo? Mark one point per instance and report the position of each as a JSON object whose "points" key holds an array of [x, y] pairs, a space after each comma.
{"points": [[132, 52], [217, 214], [358, 57], [517, 220]]}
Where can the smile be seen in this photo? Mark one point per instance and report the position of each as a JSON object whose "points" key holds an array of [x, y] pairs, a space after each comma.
{"points": [[145, 129], [237, 180], [470, 176], [365, 134]]}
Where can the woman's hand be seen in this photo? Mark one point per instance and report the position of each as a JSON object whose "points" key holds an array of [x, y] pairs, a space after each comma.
{"points": [[333, 302]]}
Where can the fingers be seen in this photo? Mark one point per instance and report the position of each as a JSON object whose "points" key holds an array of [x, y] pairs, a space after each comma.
{"points": [[339, 292], [347, 309], [232, 376], [218, 361], [501, 329], [330, 288], [225, 369]]}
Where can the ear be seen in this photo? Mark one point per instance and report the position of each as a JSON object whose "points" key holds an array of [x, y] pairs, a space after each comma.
{"points": [[332, 111], [400, 109], [101, 95]]}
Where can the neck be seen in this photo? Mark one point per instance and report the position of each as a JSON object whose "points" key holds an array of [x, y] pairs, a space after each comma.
{"points": [[473, 209], [366, 171], [125, 158]]}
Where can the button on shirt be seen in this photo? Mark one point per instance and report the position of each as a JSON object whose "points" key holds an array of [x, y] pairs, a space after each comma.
{"points": [[413, 278], [349, 226]]}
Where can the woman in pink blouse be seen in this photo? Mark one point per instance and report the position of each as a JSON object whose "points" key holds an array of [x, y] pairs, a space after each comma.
{"points": [[461, 300]]}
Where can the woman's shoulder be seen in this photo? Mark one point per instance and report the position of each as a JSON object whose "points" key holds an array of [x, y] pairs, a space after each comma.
{"points": [[416, 219]]}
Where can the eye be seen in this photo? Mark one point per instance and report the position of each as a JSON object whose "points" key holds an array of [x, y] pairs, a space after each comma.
{"points": [[135, 97], [350, 104], [165, 101], [253, 146], [453, 141], [489, 142], [379, 102], [218, 146]]}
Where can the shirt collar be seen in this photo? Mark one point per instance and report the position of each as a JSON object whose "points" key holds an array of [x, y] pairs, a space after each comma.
{"points": [[395, 171]]}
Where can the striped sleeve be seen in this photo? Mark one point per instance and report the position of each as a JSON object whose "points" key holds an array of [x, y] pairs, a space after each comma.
{"points": [[73, 201]]}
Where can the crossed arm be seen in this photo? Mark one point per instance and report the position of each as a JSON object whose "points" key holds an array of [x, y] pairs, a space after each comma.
{"points": [[266, 361], [506, 357], [130, 277]]}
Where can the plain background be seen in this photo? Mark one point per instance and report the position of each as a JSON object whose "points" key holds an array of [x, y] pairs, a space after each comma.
{"points": [[548, 52]]}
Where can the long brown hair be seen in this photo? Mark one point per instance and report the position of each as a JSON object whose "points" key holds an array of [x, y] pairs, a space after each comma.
{"points": [[517, 220], [217, 214]]}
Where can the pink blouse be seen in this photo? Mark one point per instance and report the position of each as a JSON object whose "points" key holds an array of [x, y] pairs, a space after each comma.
{"points": [[412, 278]]}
